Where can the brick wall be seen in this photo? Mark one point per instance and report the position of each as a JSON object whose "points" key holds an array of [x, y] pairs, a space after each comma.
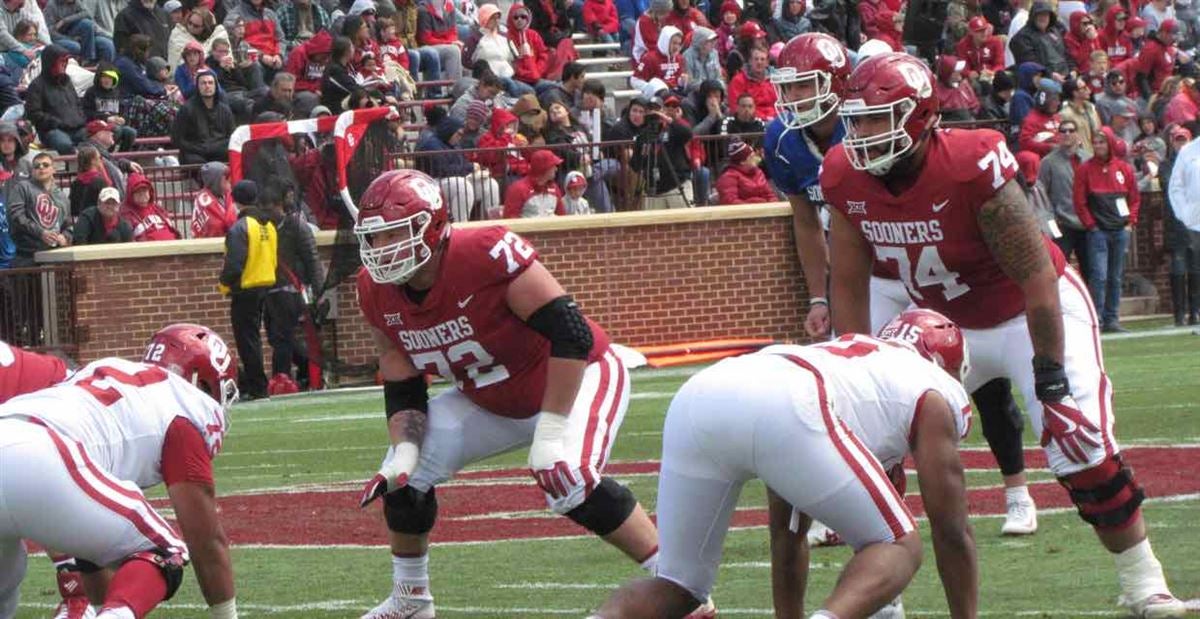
{"points": [[646, 284]]}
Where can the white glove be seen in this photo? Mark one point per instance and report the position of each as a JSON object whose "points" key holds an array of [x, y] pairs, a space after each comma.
{"points": [[547, 460], [394, 473]]}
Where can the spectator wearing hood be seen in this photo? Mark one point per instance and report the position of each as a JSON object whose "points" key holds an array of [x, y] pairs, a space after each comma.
{"points": [[203, 126], [193, 63], [600, 17], [955, 94], [1107, 200], [52, 104], [70, 22], [90, 178], [753, 80], [664, 63], [38, 212], [101, 222], [888, 28], [1028, 74], [789, 21], [150, 222], [704, 109], [301, 20], [1115, 38], [143, 17], [307, 61], [509, 163], [13, 163], [1082, 39], [645, 33], [1156, 61], [729, 16], [532, 57], [213, 211], [437, 30], [537, 194], [743, 181], [685, 17], [102, 101], [995, 104], [982, 51], [1039, 130], [461, 184], [263, 32], [1077, 107], [1041, 41], [1184, 107], [198, 26], [495, 49], [700, 60]]}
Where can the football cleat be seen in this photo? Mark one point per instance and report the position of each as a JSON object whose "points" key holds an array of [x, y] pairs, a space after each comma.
{"points": [[1155, 606], [891, 610], [1020, 517], [707, 610], [74, 608], [404, 603]]}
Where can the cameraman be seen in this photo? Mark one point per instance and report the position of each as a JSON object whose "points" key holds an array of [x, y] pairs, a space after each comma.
{"points": [[659, 153]]}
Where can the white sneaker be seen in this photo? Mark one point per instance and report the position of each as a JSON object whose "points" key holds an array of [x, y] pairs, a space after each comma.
{"points": [[1020, 518], [416, 603], [892, 610], [1154, 606]]}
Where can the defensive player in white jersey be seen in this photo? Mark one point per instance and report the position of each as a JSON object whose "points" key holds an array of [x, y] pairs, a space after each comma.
{"points": [[74, 458], [819, 425]]}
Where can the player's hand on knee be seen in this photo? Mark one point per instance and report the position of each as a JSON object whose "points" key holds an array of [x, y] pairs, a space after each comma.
{"points": [[557, 480], [547, 455], [1065, 425], [393, 475]]}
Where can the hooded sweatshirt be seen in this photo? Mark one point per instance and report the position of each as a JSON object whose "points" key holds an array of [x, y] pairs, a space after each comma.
{"points": [[986, 57], [1114, 39], [32, 210], [443, 164], [1079, 47], [493, 47], [528, 49], [659, 63], [213, 212], [149, 222], [1022, 99], [100, 103], [18, 167], [501, 163], [700, 70], [759, 88], [1154, 64], [436, 22], [957, 99], [1045, 48], [600, 16], [1105, 192], [886, 30], [51, 101], [300, 62], [739, 185], [1039, 131], [204, 131]]}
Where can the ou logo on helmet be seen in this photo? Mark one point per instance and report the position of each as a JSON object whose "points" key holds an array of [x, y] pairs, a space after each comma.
{"points": [[218, 354], [428, 192], [832, 52], [916, 77]]}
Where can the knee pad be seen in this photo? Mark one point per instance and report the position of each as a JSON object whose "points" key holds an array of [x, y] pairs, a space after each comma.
{"points": [[1002, 424], [410, 511], [170, 564], [605, 509], [1107, 496]]}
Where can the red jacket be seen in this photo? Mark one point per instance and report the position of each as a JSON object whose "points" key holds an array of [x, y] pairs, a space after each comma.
{"points": [[654, 64], [1039, 132], [501, 163], [1156, 61], [600, 16], [1113, 40], [738, 185], [529, 49], [523, 199], [885, 29], [150, 222], [263, 35], [299, 62], [212, 217], [647, 30], [685, 21], [1105, 194], [989, 56], [868, 10], [1079, 47], [1182, 108], [395, 51], [443, 18], [953, 98], [762, 91]]}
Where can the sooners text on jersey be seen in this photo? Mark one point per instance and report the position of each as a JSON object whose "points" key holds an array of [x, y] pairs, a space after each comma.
{"points": [[930, 232], [463, 329]]}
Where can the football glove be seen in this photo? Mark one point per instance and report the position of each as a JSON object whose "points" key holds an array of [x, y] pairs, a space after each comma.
{"points": [[393, 475], [547, 459], [1065, 424]]}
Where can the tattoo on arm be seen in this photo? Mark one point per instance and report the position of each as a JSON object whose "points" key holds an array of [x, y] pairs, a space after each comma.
{"points": [[1012, 234], [408, 426]]}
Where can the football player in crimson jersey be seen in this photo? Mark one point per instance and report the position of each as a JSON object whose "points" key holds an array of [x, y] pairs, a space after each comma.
{"points": [[476, 307], [944, 208], [73, 457], [819, 425]]}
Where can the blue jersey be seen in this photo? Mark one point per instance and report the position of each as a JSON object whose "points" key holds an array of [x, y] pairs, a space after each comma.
{"points": [[794, 161]]}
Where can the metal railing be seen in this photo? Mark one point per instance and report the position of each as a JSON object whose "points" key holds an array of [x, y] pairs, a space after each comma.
{"points": [[174, 186], [37, 307]]}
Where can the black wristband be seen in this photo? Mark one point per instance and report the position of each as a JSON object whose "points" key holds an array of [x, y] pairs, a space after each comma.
{"points": [[408, 394], [1050, 380]]}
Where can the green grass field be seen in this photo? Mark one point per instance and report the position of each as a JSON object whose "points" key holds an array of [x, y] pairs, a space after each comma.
{"points": [[326, 445]]}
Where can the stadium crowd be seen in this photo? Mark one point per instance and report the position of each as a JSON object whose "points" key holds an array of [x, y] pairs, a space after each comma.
{"points": [[1098, 100]]}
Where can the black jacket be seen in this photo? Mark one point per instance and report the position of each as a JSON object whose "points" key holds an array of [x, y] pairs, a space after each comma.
{"points": [[50, 101], [89, 229], [99, 104], [298, 253], [202, 131], [1045, 48], [336, 85], [137, 19]]}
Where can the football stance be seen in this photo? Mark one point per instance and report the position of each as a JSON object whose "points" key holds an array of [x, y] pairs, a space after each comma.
{"points": [[476, 307], [74, 458], [819, 425], [942, 207]]}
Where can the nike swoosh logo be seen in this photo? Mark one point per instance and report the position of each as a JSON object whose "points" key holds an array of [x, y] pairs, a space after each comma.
{"points": [[1071, 426], [464, 302], [938, 206]]}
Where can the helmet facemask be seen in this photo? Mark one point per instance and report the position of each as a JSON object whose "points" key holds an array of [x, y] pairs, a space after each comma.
{"points": [[805, 111], [394, 263], [895, 139]]}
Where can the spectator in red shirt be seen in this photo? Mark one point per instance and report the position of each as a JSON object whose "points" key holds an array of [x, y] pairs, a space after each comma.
{"points": [[743, 182], [1114, 39], [753, 80], [685, 17], [664, 63], [150, 222], [1156, 61], [509, 163], [982, 51], [307, 62], [436, 29], [955, 94], [263, 32], [1184, 107], [532, 55], [1039, 130], [1082, 39], [868, 14], [645, 32], [536, 195], [731, 13], [888, 26], [600, 18], [1106, 200], [213, 212]]}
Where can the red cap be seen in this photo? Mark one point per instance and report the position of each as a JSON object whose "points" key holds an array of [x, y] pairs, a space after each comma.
{"points": [[731, 6], [751, 30], [671, 100], [1169, 25], [96, 126], [1135, 22], [542, 161], [978, 24]]}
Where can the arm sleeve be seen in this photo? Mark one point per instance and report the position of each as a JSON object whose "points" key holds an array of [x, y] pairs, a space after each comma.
{"points": [[185, 456]]}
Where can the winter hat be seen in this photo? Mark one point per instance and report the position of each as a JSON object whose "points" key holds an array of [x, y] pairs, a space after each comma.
{"points": [[700, 35], [739, 152], [477, 111], [575, 178], [173, 5], [542, 161], [978, 24], [731, 6], [155, 64], [320, 110], [245, 192], [527, 103], [1002, 81], [486, 12]]}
